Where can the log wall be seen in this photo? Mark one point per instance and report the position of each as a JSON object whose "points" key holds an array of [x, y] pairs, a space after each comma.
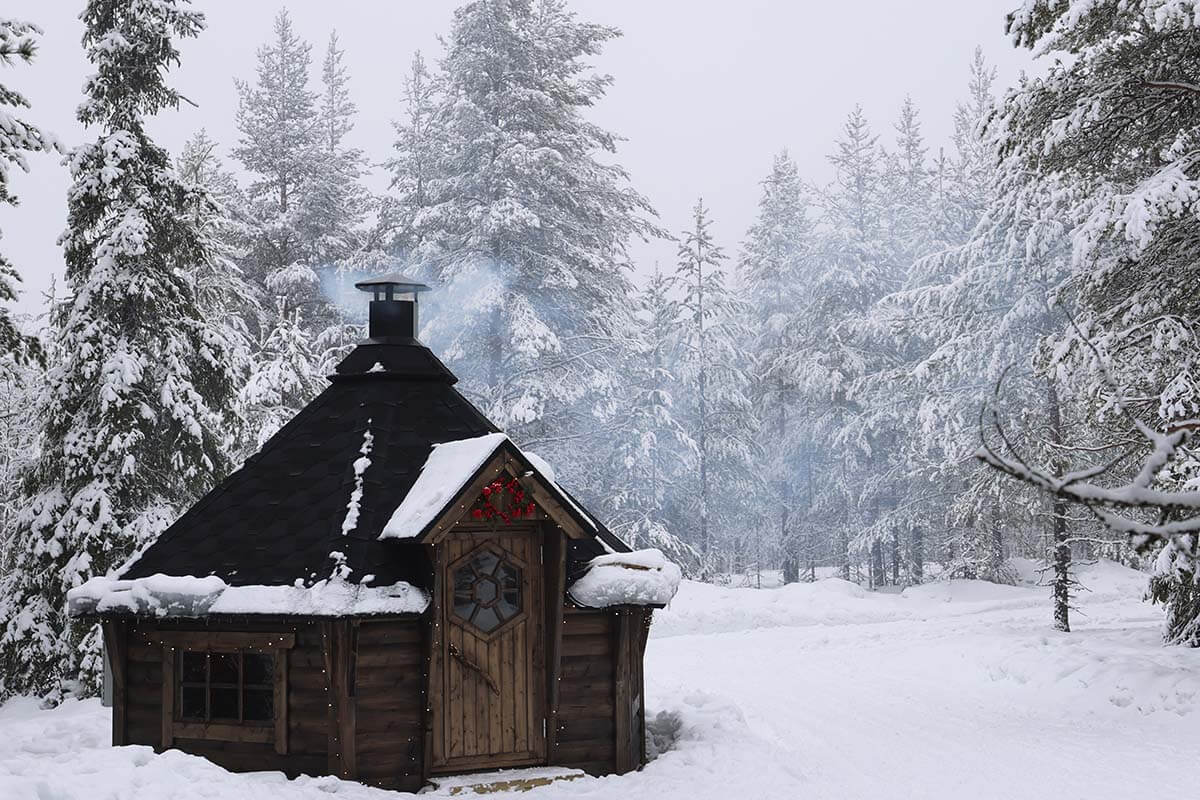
{"points": [[390, 703], [599, 721], [388, 700]]}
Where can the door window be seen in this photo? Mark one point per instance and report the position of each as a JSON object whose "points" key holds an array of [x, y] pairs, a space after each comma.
{"points": [[487, 590]]}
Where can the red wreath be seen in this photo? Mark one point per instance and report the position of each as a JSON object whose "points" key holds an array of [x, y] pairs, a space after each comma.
{"points": [[503, 500]]}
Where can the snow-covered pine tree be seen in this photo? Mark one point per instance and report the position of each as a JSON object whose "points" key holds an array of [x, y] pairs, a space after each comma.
{"points": [[286, 375], [890, 478], [135, 412], [954, 510], [1112, 123], [717, 412], [281, 147], [418, 153], [651, 452], [336, 207], [853, 270], [219, 210], [309, 206], [18, 42], [527, 223], [991, 317], [776, 258], [335, 203]]}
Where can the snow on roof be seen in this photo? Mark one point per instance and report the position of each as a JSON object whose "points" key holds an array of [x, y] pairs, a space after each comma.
{"points": [[449, 468], [186, 596], [640, 578], [547, 472]]}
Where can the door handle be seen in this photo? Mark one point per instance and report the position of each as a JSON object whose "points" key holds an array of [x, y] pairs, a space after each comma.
{"points": [[471, 665]]}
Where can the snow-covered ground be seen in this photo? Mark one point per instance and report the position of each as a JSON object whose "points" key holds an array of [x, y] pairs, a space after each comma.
{"points": [[948, 690]]}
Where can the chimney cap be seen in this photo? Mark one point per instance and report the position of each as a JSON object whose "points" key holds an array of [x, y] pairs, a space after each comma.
{"points": [[393, 280]]}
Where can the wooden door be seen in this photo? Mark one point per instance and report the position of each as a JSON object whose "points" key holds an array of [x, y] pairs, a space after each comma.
{"points": [[488, 660]]}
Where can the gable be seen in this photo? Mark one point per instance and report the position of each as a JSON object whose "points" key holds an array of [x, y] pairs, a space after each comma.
{"points": [[457, 478]]}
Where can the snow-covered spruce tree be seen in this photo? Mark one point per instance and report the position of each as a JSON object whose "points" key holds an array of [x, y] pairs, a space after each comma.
{"points": [[952, 508], [281, 146], [335, 203], [651, 454], [308, 203], [135, 412], [891, 479], [286, 375], [995, 316], [336, 207], [775, 261], [218, 210], [418, 153], [1114, 119], [18, 42], [527, 222], [853, 269], [716, 410], [20, 387]]}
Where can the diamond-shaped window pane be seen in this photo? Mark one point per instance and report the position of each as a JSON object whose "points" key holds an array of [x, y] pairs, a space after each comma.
{"points": [[487, 591]]}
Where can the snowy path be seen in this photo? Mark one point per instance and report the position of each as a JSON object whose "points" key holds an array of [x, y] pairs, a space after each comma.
{"points": [[819, 691]]}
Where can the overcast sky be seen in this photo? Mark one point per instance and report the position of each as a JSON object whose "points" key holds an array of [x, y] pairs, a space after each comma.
{"points": [[705, 92]]}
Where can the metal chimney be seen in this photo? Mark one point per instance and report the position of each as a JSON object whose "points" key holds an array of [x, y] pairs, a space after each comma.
{"points": [[393, 309]]}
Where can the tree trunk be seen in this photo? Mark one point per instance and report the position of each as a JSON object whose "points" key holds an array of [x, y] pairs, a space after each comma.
{"points": [[877, 578], [1061, 558], [791, 569], [917, 556], [996, 556], [895, 557]]}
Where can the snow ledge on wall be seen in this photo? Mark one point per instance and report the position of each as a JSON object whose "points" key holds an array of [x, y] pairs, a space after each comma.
{"points": [[640, 578], [185, 596]]}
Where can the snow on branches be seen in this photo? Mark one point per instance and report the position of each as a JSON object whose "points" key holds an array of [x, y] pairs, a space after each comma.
{"points": [[1115, 500]]}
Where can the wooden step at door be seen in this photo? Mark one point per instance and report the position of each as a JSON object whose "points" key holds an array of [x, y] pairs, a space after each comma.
{"points": [[504, 780]]}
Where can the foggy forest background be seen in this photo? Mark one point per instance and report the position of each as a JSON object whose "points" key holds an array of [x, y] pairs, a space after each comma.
{"points": [[804, 401]]}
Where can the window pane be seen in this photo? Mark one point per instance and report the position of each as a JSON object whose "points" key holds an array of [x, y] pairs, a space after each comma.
{"points": [[506, 608], [224, 704], [193, 666], [224, 667], [463, 577], [191, 704], [485, 562], [259, 668], [259, 704], [486, 619], [510, 578], [464, 604]]}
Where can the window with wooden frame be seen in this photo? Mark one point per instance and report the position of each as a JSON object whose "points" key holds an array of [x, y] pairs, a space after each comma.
{"points": [[236, 687], [225, 686]]}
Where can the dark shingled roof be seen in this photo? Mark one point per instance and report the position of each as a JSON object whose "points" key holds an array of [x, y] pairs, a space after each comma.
{"points": [[278, 518]]}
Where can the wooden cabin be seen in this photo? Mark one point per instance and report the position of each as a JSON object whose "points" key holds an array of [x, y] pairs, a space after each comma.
{"points": [[385, 593]]}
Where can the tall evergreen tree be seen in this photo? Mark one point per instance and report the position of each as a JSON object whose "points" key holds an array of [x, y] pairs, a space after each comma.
{"points": [[135, 412], [776, 258], [651, 452], [854, 269], [281, 147], [714, 370], [527, 221], [889, 475], [286, 375], [418, 153], [1110, 133], [18, 42], [335, 203]]}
